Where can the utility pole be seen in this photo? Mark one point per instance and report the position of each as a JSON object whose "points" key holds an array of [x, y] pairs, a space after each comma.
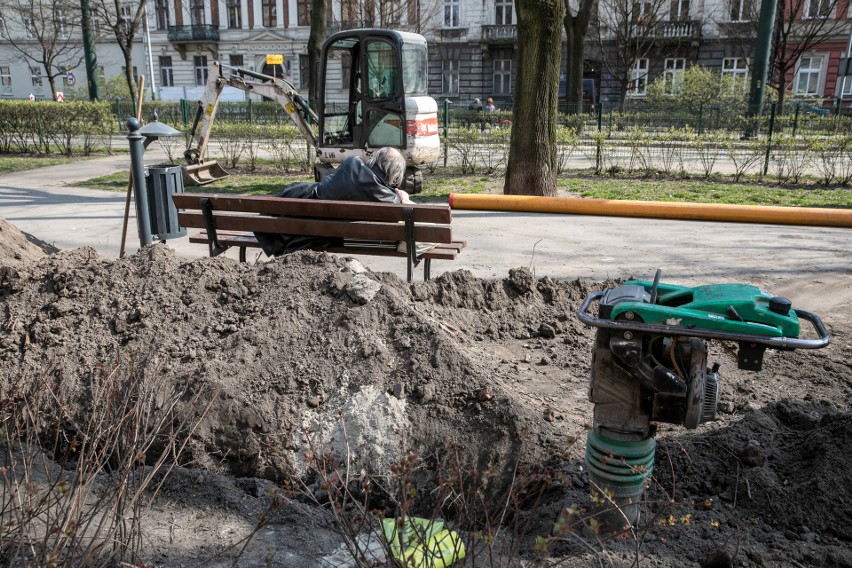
{"points": [[146, 39], [762, 47], [89, 51]]}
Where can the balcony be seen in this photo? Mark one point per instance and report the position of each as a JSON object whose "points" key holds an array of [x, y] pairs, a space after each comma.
{"points": [[188, 34], [500, 34], [684, 29]]}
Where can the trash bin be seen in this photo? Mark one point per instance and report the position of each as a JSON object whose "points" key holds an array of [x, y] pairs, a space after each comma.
{"points": [[161, 182]]}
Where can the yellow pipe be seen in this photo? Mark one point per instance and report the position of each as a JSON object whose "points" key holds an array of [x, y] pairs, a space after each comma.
{"points": [[662, 210]]}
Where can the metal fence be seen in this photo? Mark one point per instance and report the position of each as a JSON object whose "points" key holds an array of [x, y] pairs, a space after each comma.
{"points": [[798, 118]]}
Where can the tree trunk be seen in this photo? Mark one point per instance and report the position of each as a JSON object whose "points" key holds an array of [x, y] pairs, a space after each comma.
{"points": [[51, 80], [782, 89], [575, 28], [625, 86], [318, 17], [532, 152], [128, 75]]}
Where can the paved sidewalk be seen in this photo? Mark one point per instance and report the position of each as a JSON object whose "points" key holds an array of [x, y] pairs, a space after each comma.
{"points": [[810, 261]]}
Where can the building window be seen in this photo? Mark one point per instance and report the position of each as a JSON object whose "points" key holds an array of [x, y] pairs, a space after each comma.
{"points": [[638, 85], [235, 14], [503, 12], [741, 10], [167, 76], [348, 12], [269, 13], [673, 75], [303, 12], [503, 74], [452, 14], [35, 76], [196, 13], [5, 80], [735, 70], [809, 75], [61, 29], [845, 87], [391, 12], [818, 9], [200, 62], [679, 11], [236, 60], [28, 27], [450, 76], [126, 18], [161, 10]]}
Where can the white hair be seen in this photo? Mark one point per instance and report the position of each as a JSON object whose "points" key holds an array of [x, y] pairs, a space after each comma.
{"points": [[391, 162]]}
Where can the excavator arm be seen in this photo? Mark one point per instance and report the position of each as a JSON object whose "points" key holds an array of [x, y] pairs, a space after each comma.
{"points": [[273, 88]]}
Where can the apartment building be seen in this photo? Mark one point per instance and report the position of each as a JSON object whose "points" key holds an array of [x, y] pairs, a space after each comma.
{"points": [[472, 44]]}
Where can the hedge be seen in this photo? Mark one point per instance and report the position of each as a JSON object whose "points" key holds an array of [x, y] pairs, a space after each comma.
{"points": [[47, 127]]}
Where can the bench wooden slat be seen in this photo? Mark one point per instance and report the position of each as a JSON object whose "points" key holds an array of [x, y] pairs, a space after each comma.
{"points": [[316, 227], [359, 210], [447, 251]]}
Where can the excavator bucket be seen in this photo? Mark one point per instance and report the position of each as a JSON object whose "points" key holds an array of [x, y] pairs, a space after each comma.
{"points": [[202, 174]]}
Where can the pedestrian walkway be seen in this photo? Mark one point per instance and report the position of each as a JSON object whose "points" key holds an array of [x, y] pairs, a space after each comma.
{"points": [[47, 204]]}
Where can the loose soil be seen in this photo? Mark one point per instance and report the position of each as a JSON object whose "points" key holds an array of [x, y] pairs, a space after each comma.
{"points": [[495, 371]]}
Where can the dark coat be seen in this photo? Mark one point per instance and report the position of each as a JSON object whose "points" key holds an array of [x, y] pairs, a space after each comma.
{"points": [[353, 180]]}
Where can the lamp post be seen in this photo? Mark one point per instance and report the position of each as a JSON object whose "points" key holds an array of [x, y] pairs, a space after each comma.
{"points": [[140, 138]]}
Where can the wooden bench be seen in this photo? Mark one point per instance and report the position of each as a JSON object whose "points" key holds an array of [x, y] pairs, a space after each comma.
{"points": [[367, 228]]}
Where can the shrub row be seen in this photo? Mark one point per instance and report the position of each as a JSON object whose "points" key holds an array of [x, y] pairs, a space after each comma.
{"points": [[237, 142], [45, 128], [675, 151]]}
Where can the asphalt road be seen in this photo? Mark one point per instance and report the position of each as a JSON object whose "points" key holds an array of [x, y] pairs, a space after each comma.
{"points": [[810, 264]]}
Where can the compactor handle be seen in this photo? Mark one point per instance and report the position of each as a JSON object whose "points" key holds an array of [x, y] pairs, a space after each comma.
{"points": [[787, 343]]}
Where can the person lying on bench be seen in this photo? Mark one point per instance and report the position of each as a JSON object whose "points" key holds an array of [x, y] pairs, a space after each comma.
{"points": [[353, 180]]}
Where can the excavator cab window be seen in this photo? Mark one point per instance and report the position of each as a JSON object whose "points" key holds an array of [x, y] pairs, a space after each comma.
{"points": [[363, 97], [414, 69], [385, 122], [342, 92], [382, 71]]}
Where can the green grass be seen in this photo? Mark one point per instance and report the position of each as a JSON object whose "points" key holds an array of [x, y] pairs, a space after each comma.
{"points": [[707, 191], [9, 164], [439, 184], [244, 184]]}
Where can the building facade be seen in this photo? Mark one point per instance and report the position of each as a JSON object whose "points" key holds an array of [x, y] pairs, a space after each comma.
{"points": [[472, 45]]}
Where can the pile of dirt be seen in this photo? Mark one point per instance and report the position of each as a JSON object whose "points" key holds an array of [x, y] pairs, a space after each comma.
{"points": [[18, 247], [495, 370]]}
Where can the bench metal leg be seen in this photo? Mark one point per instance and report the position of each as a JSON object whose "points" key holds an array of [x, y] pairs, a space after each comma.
{"points": [[427, 266], [242, 254], [210, 225]]}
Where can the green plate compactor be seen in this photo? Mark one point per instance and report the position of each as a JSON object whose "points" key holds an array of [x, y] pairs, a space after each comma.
{"points": [[649, 365]]}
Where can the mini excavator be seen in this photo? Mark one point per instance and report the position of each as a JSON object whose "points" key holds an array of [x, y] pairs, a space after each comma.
{"points": [[373, 94]]}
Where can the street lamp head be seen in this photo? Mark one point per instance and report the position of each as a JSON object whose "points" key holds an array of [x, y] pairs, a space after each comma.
{"points": [[157, 129]]}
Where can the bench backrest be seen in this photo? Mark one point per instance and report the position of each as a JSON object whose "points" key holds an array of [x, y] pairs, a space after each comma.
{"points": [[315, 218]]}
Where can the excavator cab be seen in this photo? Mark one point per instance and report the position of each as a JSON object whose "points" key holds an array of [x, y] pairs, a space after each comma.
{"points": [[373, 88]]}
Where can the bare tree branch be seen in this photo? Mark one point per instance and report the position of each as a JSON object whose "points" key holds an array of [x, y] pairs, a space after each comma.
{"points": [[123, 19], [45, 34], [627, 32]]}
